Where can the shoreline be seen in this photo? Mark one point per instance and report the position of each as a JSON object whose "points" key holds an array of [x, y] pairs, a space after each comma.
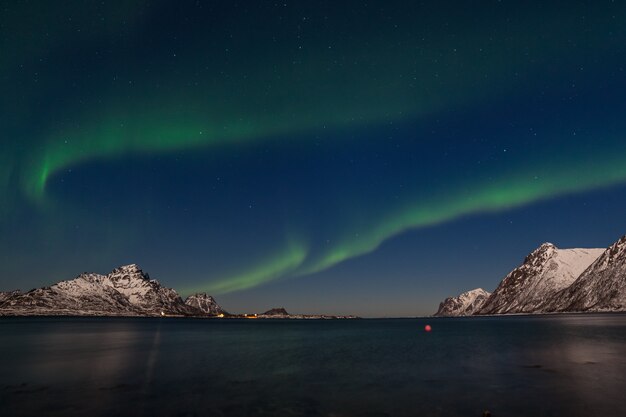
{"points": [[311, 317]]}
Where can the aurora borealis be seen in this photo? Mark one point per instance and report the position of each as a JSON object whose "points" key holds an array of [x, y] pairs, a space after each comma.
{"points": [[268, 152]]}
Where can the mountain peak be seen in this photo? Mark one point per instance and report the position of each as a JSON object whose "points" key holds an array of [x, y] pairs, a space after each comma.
{"points": [[618, 247], [540, 255], [129, 272], [547, 245], [476, 291], [200, 295], [205, 303], [544, 272]]}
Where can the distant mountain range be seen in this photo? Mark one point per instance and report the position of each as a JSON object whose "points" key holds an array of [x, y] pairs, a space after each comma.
{"points": [[126, 291], [549, 280], [552, 280]]}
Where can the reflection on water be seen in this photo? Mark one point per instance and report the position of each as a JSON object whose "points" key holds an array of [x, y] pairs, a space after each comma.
{"points": [[517, 366]]}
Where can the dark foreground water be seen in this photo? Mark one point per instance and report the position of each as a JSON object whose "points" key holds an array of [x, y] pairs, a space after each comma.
{"points": [[517, 366]]}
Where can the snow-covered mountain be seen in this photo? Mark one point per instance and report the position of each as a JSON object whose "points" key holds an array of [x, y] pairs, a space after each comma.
{"points": [[204, 303], [546, 271], [601, 287], [127, 290], [465, 304]]}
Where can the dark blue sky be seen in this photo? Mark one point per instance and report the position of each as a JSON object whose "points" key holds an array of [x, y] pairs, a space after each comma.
{"points": [[362, 158]]}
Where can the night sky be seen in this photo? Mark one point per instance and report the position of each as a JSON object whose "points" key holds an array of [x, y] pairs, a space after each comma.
{"points": [[340, 157]]}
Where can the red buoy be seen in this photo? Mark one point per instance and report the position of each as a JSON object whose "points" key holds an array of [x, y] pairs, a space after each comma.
{"points": [[428, 328]]}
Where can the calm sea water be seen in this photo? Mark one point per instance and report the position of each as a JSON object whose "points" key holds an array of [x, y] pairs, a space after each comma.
{"points": [[517, 366]]}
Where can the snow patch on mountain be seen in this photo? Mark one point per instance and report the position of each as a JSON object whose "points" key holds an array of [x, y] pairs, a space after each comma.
{"points": [[601, 287]]}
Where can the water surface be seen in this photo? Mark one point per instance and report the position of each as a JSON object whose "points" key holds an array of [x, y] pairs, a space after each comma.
{"points": [[571, 365]]}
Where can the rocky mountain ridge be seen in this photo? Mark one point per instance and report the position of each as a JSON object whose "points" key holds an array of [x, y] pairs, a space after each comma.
{"points": [[555, 280], [544, 272], [601, 287], [126, 291], [205, 303], [464, 304], [279, 311]]}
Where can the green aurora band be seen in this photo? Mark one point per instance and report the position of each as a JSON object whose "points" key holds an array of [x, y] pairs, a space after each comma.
{"points": [[278, 266], [521, 188], [505, 191], [545, 180], [286, 96], [376, 81]]}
